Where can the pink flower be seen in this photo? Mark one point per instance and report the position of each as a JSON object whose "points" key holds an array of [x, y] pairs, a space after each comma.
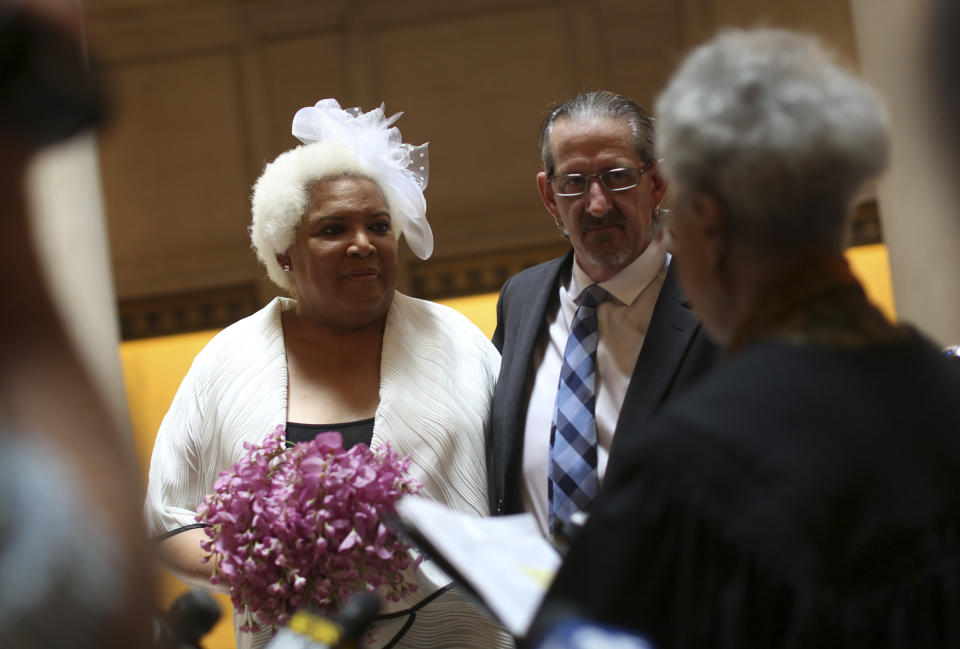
{"points": [[352, 539], [301, 526]]}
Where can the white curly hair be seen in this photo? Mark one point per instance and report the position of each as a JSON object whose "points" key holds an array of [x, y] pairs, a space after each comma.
{"points": [[281, 196], [784, 137]]}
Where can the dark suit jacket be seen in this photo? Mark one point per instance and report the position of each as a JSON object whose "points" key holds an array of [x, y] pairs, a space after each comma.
{"points": [[675, 352]]}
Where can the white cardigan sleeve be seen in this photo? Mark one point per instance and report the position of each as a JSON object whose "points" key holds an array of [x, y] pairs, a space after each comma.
{"points": [[175, 488], [234, 392]]}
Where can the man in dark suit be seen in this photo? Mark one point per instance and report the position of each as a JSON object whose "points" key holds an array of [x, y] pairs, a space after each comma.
{"points": [[602, 186]]}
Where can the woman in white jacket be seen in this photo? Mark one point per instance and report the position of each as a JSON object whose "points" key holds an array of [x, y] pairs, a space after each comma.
{"points": [[347, 353]]}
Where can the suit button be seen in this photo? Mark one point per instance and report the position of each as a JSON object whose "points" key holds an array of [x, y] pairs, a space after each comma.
{"points": [[499, 505]]}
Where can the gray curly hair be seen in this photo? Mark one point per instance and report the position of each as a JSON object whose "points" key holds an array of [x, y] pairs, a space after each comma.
{"points": [[281, 196], [783, 137]]}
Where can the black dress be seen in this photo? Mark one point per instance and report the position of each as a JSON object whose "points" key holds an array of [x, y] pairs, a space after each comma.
{"points": [[353, 432]]}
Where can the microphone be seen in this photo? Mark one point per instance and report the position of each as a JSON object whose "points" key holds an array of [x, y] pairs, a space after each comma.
{"points": [[190, 617], [309, 630]]}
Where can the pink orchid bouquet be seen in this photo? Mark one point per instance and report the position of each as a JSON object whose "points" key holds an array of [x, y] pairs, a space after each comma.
{"points": [[296, 527]]}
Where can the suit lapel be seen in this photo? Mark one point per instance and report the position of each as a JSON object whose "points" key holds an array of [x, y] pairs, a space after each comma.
{"points": [[668, 338], [534, 302], [533, 298]]}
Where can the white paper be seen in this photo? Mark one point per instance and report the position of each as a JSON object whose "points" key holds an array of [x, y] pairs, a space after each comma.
{"points": [[505, 559]]}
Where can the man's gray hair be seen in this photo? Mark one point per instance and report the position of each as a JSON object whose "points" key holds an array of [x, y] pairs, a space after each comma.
{"points": [[595, 105], [784, 138]]}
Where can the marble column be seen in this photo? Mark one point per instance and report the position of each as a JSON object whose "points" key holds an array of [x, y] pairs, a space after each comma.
{"points": [[919, 195]]}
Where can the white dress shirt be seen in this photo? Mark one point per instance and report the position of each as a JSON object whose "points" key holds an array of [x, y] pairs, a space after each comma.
{"points": [[623, 324]]}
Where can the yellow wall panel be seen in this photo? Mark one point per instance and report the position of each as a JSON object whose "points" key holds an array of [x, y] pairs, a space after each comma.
{"points": [[481, 309], [871, 265], [152, 370]]}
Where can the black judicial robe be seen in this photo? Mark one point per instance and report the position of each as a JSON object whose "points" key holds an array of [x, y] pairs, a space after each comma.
{"points": [[797, 497]]}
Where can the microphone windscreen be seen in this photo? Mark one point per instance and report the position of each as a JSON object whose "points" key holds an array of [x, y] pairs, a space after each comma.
{"points": [[358, 614], [193, 615]]}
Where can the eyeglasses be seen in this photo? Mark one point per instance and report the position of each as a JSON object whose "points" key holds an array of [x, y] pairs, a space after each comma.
{"points": [[616, 180]]}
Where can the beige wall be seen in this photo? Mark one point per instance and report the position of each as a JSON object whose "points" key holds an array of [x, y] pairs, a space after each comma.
{"points": [[204, 93], [919, 195]]}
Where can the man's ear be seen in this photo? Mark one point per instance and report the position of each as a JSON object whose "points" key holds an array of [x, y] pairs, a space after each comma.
{"points": [[658, 184], [284, 260], [546, 193]]}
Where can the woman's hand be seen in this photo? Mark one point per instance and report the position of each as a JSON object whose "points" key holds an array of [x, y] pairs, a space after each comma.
{"points": [[183, 556]]}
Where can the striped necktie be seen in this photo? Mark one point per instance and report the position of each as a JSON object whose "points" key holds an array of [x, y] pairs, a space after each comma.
{"points": [[573, 480]]}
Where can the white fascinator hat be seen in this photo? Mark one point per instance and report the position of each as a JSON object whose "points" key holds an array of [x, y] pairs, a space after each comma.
{"points": [[402, 169]]}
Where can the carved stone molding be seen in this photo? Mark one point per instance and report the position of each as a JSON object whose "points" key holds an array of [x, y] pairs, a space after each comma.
{"points": [[162, 315], [865, 225], [213, 308]]}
